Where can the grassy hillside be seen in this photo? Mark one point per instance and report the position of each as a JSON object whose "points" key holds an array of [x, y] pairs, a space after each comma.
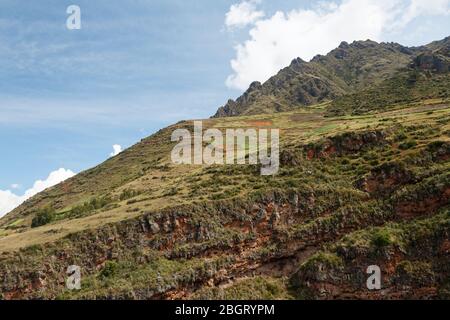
{"points": [[363, 180], [160, 230]]}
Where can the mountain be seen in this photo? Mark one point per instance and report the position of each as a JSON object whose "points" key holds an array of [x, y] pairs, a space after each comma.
{"points": [[363, 180], [426, 76], [347, 69]]}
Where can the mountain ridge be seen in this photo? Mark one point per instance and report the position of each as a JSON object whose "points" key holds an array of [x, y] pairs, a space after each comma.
{"points": [[343, 70]]}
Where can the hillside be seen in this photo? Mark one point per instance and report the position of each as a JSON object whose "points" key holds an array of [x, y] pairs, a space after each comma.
{"points": [[359, 184]]}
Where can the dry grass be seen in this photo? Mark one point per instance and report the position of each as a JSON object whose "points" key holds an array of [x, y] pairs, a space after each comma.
{"points": [[163, 184]]}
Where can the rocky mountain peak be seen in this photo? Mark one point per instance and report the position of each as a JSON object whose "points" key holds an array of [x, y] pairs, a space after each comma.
{"points": [[255, 85], [343, 70]]}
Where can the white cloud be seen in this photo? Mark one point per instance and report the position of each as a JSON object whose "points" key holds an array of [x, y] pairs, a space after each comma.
{"points": [[15, 186], [274, 41], [9, 200], [117, 148], [54, 178], [418, 8], [243, 14]]}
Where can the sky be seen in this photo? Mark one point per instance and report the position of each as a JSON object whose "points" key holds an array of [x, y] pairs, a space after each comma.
{"points": [[69, 99]]}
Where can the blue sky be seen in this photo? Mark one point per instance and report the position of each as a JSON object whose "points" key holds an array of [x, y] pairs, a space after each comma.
{"points": [[66, 96]]}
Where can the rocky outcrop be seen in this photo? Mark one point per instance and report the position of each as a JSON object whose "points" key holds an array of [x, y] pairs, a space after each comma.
{"points": [[416, 268], [234, 108], [385, 179], [424, 198], [432, 62], [348, 143], [178, 233], [244, 235], [437, 60]]}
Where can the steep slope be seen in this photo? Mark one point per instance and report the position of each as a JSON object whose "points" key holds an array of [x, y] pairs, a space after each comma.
{"points": [[101, 181], [212, 232], [346, 69], [362, 188]]}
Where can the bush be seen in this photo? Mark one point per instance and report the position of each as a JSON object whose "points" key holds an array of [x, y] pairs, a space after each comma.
{"points": [[435, 146], [408, 144], [90, 206], [109, 270], [381, 238], [171, 192], [327, 259], [128, 194], [43, 217], [401, 136]]}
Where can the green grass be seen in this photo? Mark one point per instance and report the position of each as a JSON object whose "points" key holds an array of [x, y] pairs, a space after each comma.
{"points": [[254, 288]]}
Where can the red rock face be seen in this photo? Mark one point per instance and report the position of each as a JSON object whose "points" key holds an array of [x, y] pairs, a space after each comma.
{"points": [[349, 143], [423, 207], [404, 275], [310, 154], [385, 179]]}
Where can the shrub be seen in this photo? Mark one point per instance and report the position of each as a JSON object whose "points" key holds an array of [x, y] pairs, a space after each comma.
{"points": [[109, 270], [435, 145], [88, 207], [128, 194], [401, 136], [408, 144], [415, 272], [171, 192], [381, 238], [43, 217], [327, 259]]}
